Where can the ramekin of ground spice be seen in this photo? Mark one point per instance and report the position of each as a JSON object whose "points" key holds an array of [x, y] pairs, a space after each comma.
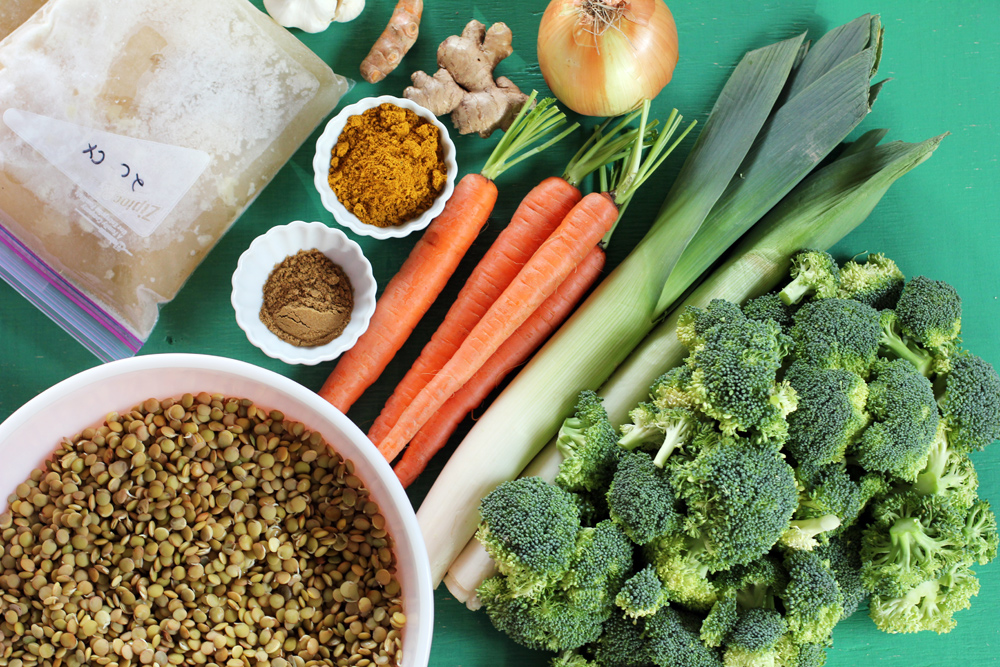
{"points": [[303, 292], [385, 167], [307, 299]]}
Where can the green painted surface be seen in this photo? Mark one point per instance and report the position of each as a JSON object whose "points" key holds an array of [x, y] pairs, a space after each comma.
{"points": [[941, 221]]}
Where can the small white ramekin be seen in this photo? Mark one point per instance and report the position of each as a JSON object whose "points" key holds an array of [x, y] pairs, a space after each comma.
{"points": [[270, 249], [321, 170]]}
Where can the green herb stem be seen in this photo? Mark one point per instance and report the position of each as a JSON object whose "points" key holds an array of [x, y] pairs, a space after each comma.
{"points": [[529, 126]]}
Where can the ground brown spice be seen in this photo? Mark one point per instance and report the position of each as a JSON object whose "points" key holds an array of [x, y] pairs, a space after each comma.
{"points": [[307, 299], [387, 166]]}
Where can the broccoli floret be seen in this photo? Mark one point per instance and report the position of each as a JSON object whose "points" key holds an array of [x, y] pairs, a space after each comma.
{"points": [[642, 594], [672, 639], [911, 538], [844, 555], [830, 413], [930, 312], [837, 333], [682, 563], [969, 401], [529, 529], [830, 500], [663, 430], [721, 620], [877, 283], [948, 472], [671, 390], [894, 344], [813, 272], [980, 533], [641, 499], [694, 323], [754, 639], [757, 585], [734, 377], [930, 605], [622, 644], [790, 654], [812, 600], [587, 442], [901, 402], [770, 307], [739, 498], [601, 563], [549, 622]]}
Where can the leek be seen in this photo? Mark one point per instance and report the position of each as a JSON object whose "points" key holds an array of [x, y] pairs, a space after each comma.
{"points": [[821, 211], [747, 157]]}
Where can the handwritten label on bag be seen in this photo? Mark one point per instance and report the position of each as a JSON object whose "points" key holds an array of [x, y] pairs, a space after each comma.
{"points": [[137, 181]]}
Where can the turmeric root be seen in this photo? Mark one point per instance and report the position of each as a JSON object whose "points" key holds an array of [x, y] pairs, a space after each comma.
{"points": [[397, 38], [464, 86]]}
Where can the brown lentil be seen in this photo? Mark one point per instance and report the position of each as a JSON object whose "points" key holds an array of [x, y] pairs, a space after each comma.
{"points": [[195, 531]]}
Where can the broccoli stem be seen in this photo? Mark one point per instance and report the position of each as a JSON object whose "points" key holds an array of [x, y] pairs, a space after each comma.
{"points": [[929, 480], [894, 344], [801, 533], [673, 438], [794, 291], [911, 545], [639, 435]]}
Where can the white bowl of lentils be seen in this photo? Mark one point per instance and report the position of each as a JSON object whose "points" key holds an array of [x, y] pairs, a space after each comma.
{"points": [[165, 506]]}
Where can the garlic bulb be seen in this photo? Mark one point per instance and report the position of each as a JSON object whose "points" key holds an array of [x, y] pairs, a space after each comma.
{"points": [[313, 15]]}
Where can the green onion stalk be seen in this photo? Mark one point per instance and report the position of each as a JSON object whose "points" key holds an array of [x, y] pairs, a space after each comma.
{"points": [[783, 110], [817, 214]]}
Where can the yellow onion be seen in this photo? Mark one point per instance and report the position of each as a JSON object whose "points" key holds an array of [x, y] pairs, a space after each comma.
{"points": [[604, 57]]}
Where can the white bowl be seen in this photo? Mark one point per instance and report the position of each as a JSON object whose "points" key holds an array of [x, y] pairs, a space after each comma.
{"points": [[321, 170], [269, 249], [29, 436]]}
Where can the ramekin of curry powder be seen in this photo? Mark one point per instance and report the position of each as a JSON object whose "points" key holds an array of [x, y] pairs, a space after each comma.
{"points": [[387, 166]]}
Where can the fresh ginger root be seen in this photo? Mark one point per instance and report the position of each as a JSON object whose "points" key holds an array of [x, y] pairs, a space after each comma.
{"points": [[464, 86], [397, 38]]}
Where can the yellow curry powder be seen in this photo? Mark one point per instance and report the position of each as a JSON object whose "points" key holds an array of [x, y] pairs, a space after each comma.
{"points": [[387, 167]]}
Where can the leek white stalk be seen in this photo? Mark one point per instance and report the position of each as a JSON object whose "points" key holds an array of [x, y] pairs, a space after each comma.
{"points": [[822, 210]]}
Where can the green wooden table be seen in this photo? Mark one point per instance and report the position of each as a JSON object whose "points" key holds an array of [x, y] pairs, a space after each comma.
{"points": [[941, 221]]}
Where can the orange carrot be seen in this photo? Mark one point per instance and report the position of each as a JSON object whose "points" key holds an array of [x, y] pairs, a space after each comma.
{"points": [[575, 237], [411, 292], [539, 213], [514, 352]]}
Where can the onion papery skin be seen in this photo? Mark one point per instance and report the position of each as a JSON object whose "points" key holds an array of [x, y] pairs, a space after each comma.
{"points": [[610, 73]]}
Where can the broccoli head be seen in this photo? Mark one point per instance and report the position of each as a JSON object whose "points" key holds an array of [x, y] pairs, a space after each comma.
{"points": [[622, 643], [837, 333], [770, 307], [739, 497], [754, 639], [641, 499], [930, 312], [530, 529], [672, 639], [830, 413], [642, 594], [550, 621], [588, 444], [572, 659], [601, 562], [877, 283], [683, 564], [812, 599], [980, 533], [791, 654], [720, 620], [930, 605], [969, 401], [895, 345], [813, 272], [671, 390], [694, 323], [911, 538], [733, 377], [844, 555], [901, 402]]}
